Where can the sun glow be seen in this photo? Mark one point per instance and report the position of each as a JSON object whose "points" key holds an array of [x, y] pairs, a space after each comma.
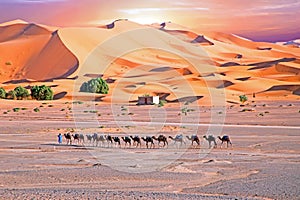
{"points": [[146, 19]]}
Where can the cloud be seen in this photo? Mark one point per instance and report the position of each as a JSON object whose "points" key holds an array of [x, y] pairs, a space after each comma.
{"points": [[279, 6], [134, 11]]}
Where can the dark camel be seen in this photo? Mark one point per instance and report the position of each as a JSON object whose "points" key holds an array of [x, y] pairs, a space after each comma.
{"points": [[68, 138], [79, 138], [161, 138], [109, 140], [148, 140], [136, 140], [225, 138], [127, 140], [117, 141], [194, 138]]}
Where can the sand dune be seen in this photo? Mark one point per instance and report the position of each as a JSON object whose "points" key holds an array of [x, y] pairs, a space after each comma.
{"points": [[31, 52], [61, 63]]}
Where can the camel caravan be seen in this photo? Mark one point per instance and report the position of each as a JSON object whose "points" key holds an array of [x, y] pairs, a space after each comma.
{"points": [[101, 140]]}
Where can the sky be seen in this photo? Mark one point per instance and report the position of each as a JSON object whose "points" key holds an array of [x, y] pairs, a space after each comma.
{"points": [[259, 20]]}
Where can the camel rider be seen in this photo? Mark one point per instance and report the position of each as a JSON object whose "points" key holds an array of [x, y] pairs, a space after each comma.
{"points": [[59, 138]]}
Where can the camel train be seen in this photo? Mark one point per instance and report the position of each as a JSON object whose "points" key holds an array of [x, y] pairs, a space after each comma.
{"points": [[136, 141]]}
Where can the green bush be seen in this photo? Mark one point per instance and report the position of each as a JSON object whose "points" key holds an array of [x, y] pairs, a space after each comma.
{"points": [[96, 85], [16, 109], [243, 98], [41, 92], [11, 95], [36, 110], [21, 92], [162, 103], [186, 110], [2, 93]]}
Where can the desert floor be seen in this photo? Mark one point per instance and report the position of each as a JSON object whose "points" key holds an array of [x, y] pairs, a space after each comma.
{"points": [[263, 162]]}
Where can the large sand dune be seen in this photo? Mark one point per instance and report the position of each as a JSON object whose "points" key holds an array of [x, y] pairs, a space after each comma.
{"points": [[30, 52]]}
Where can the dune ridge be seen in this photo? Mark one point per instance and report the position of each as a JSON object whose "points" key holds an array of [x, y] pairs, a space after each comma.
{"points": [[31, 52]]}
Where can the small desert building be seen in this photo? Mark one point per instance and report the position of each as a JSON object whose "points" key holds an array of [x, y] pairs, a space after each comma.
{"points": [[148, 100]]}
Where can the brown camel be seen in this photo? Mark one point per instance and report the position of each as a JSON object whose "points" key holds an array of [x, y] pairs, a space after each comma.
{"points": [[210, 139], [226, 139], [149, 139], [68, 138], [194, 138], [136, 140], [126, 139], [161, 138]]}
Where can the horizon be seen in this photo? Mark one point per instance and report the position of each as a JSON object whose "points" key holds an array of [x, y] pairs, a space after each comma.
{"points": [[260, 20]]}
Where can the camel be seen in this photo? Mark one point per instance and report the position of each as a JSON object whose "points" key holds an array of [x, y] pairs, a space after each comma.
{"points": [[149, 139], [99, 138], [79, 138], [117, 141], [89, 138], [76, 138], [136, 139], [161, 138], [210, 139], [126, 139], [109, 139], [178, 138], [68, 138], [225, 138], [194, 138]]}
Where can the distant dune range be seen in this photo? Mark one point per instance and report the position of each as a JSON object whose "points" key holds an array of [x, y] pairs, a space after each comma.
{"points": [[33, 54]]}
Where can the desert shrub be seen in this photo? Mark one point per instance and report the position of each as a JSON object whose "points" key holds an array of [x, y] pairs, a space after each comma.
{"points": [[16, 109], [2, 93], [186, 110], [243, 98], [41, 92], [11, 95], [247, 110], [96, 85], [162, 103], [21, 92], [36, 110], [77, 102]]}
